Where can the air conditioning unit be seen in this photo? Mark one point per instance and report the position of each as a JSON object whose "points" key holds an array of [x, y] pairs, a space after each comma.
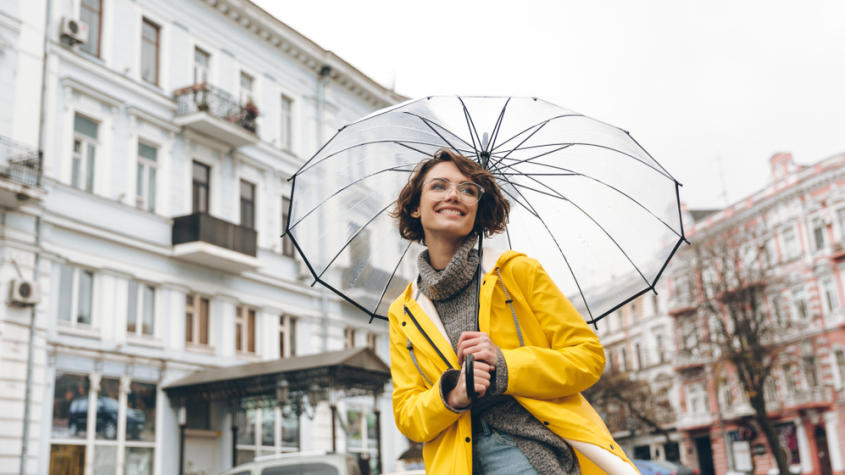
{"points": [[24, 293], [74, 30]]}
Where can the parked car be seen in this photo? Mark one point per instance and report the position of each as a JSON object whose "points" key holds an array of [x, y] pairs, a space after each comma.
{"points": [[107, 414], [647, 467], [299, 463], [674, 467]]}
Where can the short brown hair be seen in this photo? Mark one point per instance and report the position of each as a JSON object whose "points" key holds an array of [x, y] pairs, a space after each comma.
{"points": [[493, 208]]}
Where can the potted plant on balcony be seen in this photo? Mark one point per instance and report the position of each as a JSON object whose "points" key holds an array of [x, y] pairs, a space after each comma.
{"points": [[250, 113]]}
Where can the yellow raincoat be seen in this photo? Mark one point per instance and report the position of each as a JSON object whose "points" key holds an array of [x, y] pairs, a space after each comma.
{"points": [[561, 358]]}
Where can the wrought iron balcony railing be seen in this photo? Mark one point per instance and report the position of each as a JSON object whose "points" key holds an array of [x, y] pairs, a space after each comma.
{"points": [[206, 228], [204, 97], [19, 163]]}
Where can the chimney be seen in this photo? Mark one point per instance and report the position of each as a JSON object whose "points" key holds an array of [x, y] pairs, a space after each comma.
{"points": [[781, 165]]}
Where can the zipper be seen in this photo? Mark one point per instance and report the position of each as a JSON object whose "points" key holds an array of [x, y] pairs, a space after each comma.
{"points": [[430, 341]]}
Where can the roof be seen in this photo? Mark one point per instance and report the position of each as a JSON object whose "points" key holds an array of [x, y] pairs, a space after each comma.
{"points": [[355, 369]]}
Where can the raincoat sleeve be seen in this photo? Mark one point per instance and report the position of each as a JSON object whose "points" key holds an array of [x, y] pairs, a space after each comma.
{"points": [[419, 410], [573, 360]]}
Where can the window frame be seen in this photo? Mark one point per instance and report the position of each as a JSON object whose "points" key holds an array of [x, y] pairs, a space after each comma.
{"points": [[247, 205], [247, 317], [246, 95], [195, 309], [287, 336], [157, 45], [197, 185], [74, 320], [197, 69], [286, 122], [140, 286], [99, 15], [145, 168], [87, 160], [349, 337]]}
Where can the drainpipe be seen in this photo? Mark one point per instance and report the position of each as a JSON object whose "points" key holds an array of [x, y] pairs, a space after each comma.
{"points": [[325, 70], [36, 271]]}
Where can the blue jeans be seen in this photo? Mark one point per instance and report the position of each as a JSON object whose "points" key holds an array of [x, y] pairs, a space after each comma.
{"points": [[496, 453]]}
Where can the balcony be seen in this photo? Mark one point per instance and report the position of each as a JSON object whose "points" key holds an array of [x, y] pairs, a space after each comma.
{"points": [[212, 242], [20, 174], [213, 112], [684, 360], [693, 421], [806, 398]]}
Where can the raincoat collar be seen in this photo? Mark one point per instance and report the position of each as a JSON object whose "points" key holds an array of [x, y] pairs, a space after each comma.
{"points": [[490, 260]]}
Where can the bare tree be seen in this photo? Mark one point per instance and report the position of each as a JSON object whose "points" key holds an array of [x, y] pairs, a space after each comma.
{"points": [[643, 411], [737, 315]]}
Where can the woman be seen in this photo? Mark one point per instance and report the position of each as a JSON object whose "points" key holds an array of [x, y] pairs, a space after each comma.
{"points": [[533, 353]]}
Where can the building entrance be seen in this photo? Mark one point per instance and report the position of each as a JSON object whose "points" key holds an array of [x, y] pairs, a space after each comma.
{"points": [[705, 455]]}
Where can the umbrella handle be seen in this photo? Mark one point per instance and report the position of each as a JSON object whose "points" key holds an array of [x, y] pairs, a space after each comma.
{"points": [[469, 379]]}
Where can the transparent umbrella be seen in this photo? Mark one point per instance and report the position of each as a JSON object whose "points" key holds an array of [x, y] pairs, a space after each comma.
{"points": [[586, 199]]}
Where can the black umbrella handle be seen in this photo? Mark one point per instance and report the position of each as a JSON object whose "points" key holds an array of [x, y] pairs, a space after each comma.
{"points": [[469, 374]]}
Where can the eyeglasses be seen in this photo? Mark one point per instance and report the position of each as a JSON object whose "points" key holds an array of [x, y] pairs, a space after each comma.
{"points": [[467, 191]]}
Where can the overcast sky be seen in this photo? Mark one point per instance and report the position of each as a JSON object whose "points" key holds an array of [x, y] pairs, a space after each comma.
{"points": [[710, 88]]}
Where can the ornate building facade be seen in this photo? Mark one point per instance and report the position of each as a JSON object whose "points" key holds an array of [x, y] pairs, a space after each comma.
{"points": [[146, 146]]}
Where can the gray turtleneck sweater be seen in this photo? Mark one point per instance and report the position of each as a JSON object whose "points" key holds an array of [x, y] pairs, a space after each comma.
{"points": [[454, 292]]}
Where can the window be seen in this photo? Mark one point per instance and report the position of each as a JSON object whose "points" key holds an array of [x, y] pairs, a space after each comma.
{"points": [[840, 218], [140, 317], [372, 341], [840, 366], [286, 129], [790, 243], [76, 289], [150, 33], [361, 434], [788, 437], [818, 234], [696, 399], [145, 186], [264, 428], [623, 356], [196, 320], [247, 204], [246, 88], [84, 153], [200, 187], [799, 305], [91, 13], [202, 63], [639, 355], [829, 297], [812, 378], [287, 336], [349, 337], [124, 418], [788, 381], [287, 243], [245, 329]]}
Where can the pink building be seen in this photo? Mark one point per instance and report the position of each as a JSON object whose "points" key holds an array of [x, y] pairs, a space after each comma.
{"points": [[803, 211]]}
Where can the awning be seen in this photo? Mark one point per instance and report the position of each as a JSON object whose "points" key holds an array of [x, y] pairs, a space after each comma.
{"points": [[356, 371]]}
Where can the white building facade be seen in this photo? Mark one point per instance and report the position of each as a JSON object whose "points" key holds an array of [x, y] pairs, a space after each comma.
{"points": [[151, 229]]}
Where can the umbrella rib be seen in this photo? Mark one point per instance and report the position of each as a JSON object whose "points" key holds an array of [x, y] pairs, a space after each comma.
{"points": [[429, 123], [537, 124], [557, 244], [497, 127], [334, 154], [555, 194], [392, 275], [345, 187], [520, 143], [352, 238], [585, 144], [570, 172], [473, 133]]}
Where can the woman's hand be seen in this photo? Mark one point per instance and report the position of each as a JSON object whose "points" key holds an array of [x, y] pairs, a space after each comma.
{"points": [[480, 346], [457, 397]]}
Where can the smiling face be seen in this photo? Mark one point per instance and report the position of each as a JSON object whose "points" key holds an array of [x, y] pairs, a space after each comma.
{"points": [[445, 216]]}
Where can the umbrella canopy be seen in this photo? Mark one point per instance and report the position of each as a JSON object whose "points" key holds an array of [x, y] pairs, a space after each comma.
{"points": [[586, 199]]}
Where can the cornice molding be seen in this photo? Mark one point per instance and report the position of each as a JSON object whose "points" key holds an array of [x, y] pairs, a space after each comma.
{"points": [[292, 43]]}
